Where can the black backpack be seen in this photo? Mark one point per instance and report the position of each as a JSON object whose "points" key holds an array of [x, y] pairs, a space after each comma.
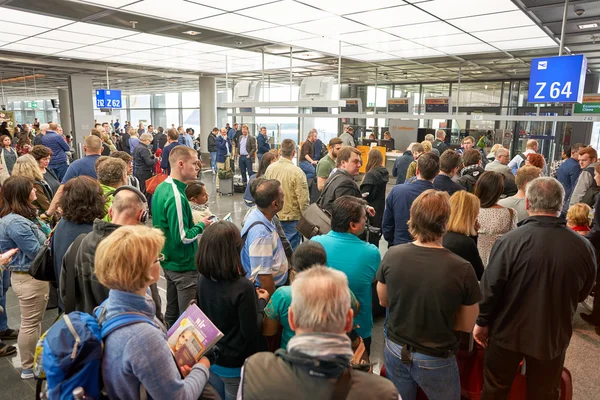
{"points": [[524, 158]]}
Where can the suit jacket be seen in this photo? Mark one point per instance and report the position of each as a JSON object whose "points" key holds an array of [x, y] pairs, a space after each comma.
{"points": [[251, 145], [497, 166]]}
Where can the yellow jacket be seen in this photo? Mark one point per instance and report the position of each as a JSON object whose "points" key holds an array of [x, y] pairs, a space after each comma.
{"points": [[295, 188]]}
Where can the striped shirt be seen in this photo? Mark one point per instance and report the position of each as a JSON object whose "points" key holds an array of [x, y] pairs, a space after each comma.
{"points": [[263, 251]]}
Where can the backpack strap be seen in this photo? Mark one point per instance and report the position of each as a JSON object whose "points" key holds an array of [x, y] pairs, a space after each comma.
{"points": [[343, 385], [121, 320], [325, 188], [245, 235]]}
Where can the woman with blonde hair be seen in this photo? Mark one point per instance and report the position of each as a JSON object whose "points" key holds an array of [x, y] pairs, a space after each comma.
{"points": [[578, 218], [128, 262], [28, 167], [373, 190], [492, 154], [106, 140], [427, 146], [461, 234]]}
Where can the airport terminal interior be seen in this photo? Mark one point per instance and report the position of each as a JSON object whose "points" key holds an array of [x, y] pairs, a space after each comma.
{"points": [[392, 70]]}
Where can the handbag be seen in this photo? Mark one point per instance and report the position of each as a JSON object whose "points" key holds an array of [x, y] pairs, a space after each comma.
{"points": [[42, 266], [315, 221], [152, 183], [4, 174]]}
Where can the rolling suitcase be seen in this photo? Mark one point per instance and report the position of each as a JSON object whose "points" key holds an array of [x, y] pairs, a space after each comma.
{"points": [[226, 186], [518, 390]]}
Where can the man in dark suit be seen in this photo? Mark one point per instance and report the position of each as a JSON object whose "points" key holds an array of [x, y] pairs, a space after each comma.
{"points": [[449, 162]]}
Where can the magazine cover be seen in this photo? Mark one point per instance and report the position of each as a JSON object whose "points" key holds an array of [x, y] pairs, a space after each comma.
{"points": [[192, 335]]}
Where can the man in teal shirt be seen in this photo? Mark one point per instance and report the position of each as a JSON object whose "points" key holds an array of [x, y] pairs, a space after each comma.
{"points": [[359, 260]]}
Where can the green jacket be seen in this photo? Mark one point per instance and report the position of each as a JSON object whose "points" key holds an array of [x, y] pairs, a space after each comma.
{"points": [[172, 214], [109, 197]]}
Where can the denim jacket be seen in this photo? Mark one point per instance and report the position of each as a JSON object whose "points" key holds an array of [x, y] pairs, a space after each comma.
{"points": [[17, 231]]}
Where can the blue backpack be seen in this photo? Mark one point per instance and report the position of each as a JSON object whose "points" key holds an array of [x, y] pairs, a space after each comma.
{"points": [[72, 351]]}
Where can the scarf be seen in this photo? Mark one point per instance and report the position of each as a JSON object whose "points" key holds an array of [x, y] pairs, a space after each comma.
{"points": [[470, 168], [323, 346], [199, 207]]}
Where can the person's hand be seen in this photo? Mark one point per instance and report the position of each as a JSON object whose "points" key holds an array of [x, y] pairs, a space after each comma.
{"points": [[263, 294], [185, 370], [7, 256], [207, 221], [477, 226], [481, 335], [204, 361], [370, 211]]}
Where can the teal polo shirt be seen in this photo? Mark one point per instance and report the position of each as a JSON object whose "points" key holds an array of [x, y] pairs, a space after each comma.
{"points": [[359, 260]]}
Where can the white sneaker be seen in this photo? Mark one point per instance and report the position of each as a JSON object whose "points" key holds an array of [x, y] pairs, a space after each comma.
{"points": [[27, 374]]}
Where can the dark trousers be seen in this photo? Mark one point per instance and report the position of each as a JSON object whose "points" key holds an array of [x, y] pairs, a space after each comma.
{"points": [[246, 168], [501, 367], [60, 171], [181, 289]]}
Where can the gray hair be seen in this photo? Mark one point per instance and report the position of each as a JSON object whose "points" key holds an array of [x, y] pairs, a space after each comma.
{"points": [[146, 136], [44, 127], [440, 133], [313, 131], [410, 146], [545, 195], [320, 300], [500, 152], [429, 137]]}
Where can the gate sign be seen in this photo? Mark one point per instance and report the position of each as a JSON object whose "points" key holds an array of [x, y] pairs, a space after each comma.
{"points": [[557, 79], [107, 98]]}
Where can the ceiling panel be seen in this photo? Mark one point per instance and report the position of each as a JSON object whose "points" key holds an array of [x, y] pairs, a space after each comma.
{"points": [[467, 49], [523, 44], [9, 14], [109, 3], [447, 40], [373, 56], [62, 36], [158, 40], [46, 43], [448, 9], [8, 38], [524, 32], [176, 10], [20, 29], [369, 36], [285, 12], [30, 48], [423, 30], [324, 45], [231, 22], [104, 51], [200, 47], [232, 5], [416, 53], [397, 45], [492, 21], [392, 16], [129, 45], [330, 26], [351, 6], [280, 34]]}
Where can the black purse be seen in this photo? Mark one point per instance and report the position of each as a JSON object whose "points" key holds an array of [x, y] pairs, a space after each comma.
{"points": [[42, 266]]}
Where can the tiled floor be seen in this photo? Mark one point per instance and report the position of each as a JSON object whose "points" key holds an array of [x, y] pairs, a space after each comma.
{"points": [[582, 358]]}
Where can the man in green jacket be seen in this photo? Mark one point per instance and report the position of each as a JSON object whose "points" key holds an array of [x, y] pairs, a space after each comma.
{"points": [[171, 213]]}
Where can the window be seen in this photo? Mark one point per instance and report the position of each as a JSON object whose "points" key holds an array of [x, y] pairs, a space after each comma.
{"points": [[166, 100], [139, 101], [190, 100], [191, 119]]}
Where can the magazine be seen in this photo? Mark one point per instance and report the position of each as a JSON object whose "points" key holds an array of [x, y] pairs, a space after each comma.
{"points": [[192, 335]]}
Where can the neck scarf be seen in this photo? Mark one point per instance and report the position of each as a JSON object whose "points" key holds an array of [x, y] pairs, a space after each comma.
{"points": [[323, 346]]}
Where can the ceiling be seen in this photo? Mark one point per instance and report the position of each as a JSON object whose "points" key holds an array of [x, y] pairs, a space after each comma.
{"points": [[381, 40]]}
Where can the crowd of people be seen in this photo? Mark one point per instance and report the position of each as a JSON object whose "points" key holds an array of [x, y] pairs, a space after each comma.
{"points": [[478, 243]]}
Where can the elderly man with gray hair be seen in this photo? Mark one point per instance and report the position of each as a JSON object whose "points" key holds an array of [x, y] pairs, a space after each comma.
{"points": [[143, 161], [316, 364], [536, 276], [429, 137], [439, 143]]}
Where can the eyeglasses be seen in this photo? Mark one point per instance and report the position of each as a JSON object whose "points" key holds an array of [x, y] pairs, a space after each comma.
{"points": [[161, 258]]}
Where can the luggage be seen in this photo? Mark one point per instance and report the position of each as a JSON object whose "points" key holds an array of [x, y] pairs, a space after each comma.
{"points": [[238, 185], [519, 386], [226, 186]]}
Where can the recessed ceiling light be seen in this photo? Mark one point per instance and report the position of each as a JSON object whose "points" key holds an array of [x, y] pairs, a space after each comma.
{"points": [[64, 58], [192, 33], [588, 26]]}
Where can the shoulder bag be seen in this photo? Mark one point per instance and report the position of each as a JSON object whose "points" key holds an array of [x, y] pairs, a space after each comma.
{"points": [[42, 266], [315, 221], [4, 174]]}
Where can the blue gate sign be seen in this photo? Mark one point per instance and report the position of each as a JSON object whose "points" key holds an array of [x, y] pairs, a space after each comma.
{"points": [[108, 98], [557, 79]]}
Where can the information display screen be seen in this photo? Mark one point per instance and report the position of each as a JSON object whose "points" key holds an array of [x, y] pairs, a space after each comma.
{"points": [[590, 105], [557, 79], [401, 105], [108, 98], [352, 106], [439, 105]]}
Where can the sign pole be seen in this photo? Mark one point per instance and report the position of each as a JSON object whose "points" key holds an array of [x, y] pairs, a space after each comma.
{"points": [[562, 30]]}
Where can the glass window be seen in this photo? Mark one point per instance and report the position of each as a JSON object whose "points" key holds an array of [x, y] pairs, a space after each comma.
{"points": [[139, 101], [327, 128], [191, 119], [381, 96], [141, 116], [190, 99], [477, 94], [166, 118], [166, 100]]}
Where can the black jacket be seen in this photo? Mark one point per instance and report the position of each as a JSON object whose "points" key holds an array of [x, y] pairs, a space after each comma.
{"points": [[465, 247], [536, 276], [469, 175], [401, 166], [374, 184], [125, 142], [158, 141], [212, 143], [337, 185], [143, 160], [440, 146], [446, 184], [88, 292]]}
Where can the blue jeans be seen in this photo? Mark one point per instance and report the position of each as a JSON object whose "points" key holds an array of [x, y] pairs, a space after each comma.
{"points": [[213, 160], [246, 168], [308, 169], [4, 285], [289, 227], [438, 377], [60, 170], [226, 387], [260, 156]]}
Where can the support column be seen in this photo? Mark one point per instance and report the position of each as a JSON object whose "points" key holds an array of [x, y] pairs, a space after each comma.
{"points": [[208, 109], [81, 94], [64, 111]]}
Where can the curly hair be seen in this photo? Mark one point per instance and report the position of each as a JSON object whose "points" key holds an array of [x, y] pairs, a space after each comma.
{"points": [[537, 160], [82, 200], [38, 152]]}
